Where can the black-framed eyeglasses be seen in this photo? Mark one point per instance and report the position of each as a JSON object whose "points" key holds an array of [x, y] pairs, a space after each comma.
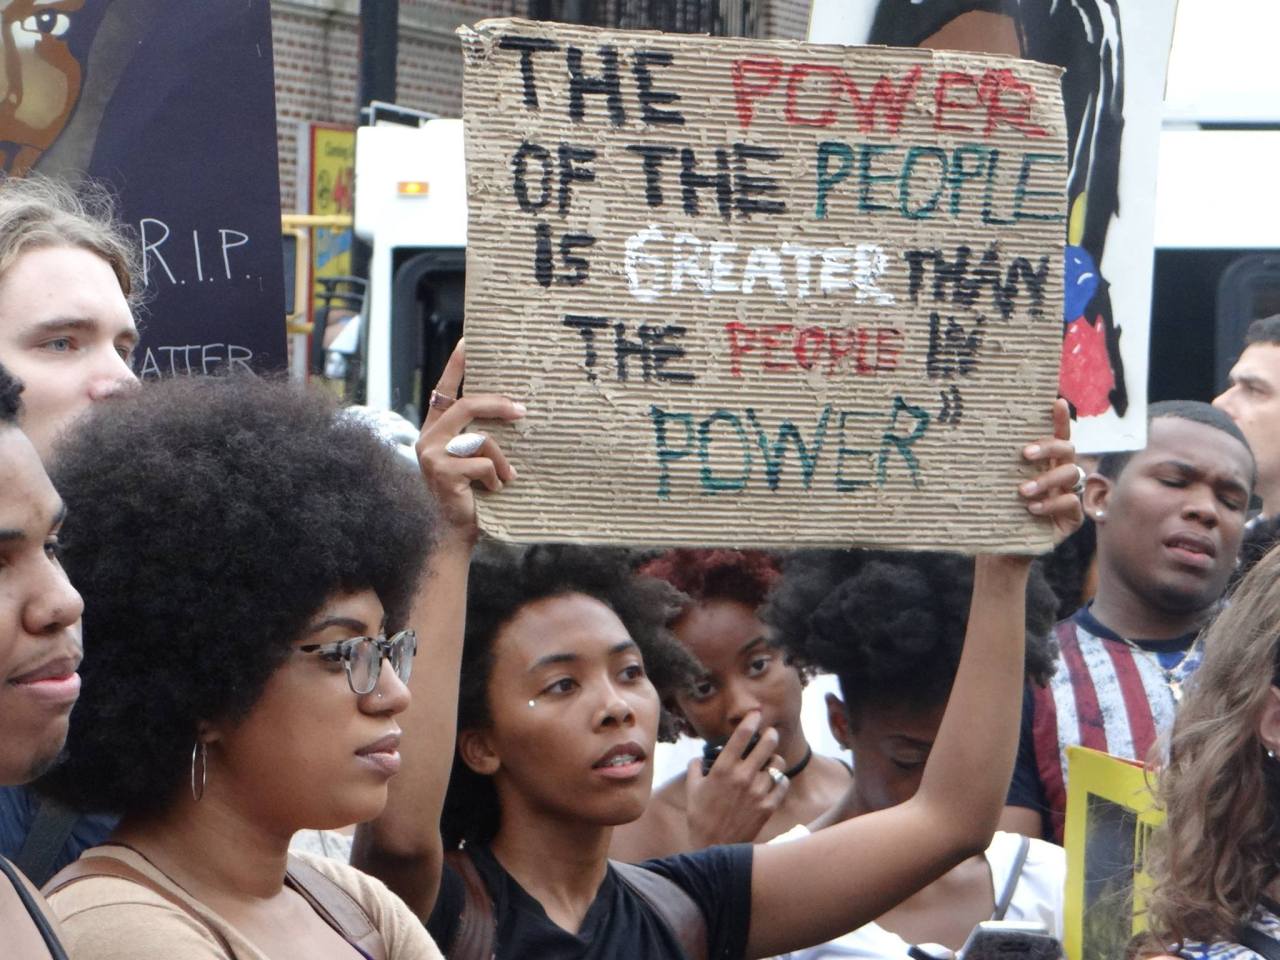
{"points": [[364, 655]]}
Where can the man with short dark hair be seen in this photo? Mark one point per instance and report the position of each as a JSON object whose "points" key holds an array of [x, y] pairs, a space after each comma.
{"points": [[1252, 399], [1169, 522], [39, 654]]}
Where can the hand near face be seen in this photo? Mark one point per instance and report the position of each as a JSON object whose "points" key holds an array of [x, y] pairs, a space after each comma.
{"points": [[733, 802], [452, 478], [1051, 494]]}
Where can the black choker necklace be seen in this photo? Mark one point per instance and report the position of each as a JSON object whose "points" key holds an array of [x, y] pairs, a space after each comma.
{"points": [[799, 767]]}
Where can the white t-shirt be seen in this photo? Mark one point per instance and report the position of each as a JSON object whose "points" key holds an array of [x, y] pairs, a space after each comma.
{"points": [[1036, 899]]}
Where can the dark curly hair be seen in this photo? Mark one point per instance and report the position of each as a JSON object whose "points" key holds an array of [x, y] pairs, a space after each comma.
{"points": [[891, 625], [1066, 568], [505, 579], [746, 576], [10, 397], [208, 520]]}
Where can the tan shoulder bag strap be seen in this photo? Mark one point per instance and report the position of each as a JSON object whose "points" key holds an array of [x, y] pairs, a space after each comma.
{"points": [[337, 908], [87, 867], [476, 934], [671, 903]]}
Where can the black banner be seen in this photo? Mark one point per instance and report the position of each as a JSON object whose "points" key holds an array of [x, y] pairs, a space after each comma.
{"points": [[171, 103]]}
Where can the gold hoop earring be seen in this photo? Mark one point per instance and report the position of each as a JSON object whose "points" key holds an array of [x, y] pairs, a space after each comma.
{"points": [[203, 751]]}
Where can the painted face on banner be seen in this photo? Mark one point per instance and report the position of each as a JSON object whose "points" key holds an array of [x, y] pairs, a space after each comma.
{"points": [[43, 49]]}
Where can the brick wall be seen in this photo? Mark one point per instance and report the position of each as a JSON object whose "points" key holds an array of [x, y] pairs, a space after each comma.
{"points": [[316, 46]]}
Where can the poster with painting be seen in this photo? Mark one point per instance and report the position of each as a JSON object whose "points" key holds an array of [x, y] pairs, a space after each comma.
{"points": [[1111, 816], [1115, 53], [170, 104]]}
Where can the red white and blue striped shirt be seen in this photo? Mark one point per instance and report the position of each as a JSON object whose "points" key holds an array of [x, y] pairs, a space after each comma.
{"points": [[1104, 695]]}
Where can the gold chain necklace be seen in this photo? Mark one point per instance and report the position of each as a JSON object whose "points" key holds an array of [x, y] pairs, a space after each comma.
{"points": [[1173, 676]]}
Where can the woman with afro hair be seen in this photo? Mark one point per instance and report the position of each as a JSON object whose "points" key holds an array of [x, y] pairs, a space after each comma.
{"points": [[558, 718], [891, 627], [746, 698], [255, 563]]}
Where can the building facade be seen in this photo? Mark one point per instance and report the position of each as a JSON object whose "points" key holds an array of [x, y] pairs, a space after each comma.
{"points": [[317, 48]]}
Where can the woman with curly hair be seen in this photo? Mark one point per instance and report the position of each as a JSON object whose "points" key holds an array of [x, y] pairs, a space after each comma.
{"points": [[891, 627], [559, 715], [745, 697], [1217, 858], [253, 561]]}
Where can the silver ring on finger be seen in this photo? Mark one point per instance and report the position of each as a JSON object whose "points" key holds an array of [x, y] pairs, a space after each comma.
{"points": [[776, 775], [465, 445], [441, 401], [1080, 478]]}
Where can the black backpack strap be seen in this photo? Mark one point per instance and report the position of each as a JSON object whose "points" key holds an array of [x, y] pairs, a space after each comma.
{"points": [[1260, 943], [678, 910], [38, 919], [1011, 884], [49, 833], [476, 934]]}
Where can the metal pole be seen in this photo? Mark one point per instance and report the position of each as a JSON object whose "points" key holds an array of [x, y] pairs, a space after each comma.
{"points": [[379, 45]]}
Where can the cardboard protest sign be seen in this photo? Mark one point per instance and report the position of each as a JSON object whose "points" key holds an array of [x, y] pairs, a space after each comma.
{"points": [[171, 104], [762, 293], [1111, 815]]}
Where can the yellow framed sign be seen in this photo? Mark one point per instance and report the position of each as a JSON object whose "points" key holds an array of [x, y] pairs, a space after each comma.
{"points": [[1111, 815]]}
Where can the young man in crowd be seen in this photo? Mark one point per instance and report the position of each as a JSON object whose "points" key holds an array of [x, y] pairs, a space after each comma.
{"points": [[67, 333], [1252, 399], [39, 654], [66, 325], [1169, 523]]}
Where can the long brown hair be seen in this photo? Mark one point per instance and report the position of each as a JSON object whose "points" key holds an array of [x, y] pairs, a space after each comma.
{"points": [[1220, 846], [38, 211]]}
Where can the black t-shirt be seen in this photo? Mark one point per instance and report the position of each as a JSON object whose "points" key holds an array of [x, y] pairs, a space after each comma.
{"points": [[618, 923]]}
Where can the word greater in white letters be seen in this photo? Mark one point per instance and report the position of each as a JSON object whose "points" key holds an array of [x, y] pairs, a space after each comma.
{"points": [[658, 264]]}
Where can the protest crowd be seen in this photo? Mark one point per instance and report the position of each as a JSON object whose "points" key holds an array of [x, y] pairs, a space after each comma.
{"points": [[270, 691]]}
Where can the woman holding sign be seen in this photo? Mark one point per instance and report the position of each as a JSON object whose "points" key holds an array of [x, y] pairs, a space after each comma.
{"points": [[559, 717]]}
